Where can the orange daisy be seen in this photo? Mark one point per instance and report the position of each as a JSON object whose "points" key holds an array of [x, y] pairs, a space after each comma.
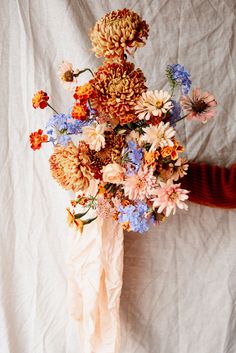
{"points": [[40, 99], [37, 138], [80, 111], [83, 93]]}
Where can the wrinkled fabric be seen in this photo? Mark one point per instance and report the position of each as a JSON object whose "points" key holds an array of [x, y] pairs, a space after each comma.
{"points": [[179, 279]]}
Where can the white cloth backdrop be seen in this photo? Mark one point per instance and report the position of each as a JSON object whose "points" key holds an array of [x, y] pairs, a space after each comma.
{"points": [[179, 290]]}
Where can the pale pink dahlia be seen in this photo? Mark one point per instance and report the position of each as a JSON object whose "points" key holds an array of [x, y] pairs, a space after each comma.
{"points": [[140, 186], [117, 32], [200, 106], [153, 103], [70, 166], [169, 196], [159, 135]]}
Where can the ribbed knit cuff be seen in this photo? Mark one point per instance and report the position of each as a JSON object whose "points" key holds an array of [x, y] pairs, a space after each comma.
{"points": [[210, 185]]}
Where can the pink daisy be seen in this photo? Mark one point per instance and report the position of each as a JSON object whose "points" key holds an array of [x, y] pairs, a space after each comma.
{"points": [[200, 107]]}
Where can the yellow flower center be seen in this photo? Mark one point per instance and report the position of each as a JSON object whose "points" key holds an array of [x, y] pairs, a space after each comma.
{"points": [[173, 196], [159, 104]]}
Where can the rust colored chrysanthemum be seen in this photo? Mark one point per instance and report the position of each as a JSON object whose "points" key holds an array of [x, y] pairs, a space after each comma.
{"points": [[40, 99], [117, 88], [79, 111], [70, 166], [37, 138], [118, 32], [83, 93]]}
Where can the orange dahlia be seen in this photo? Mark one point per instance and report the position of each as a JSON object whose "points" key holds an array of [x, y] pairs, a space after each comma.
{"points": [[117, 87], [70, 166], [117, 32], [40, 99], [83, 93], [37, 138], [79, 111]]}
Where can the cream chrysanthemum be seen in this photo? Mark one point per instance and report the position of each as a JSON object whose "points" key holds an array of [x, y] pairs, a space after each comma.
{"points": [[117, 88], [70, 166], [158, 136], [153, 103], [117, 32], [93, 135]]}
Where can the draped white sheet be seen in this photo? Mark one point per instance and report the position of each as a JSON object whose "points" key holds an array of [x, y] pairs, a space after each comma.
{"points": [[179, 284]]}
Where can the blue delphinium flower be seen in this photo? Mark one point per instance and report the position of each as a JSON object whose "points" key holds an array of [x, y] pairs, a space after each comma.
{"points": [[61, 126], [135, 216], [63, 139], [175, 112], [58, 122], [135, 156], [179, 76], [74, 126], [125, 213]]}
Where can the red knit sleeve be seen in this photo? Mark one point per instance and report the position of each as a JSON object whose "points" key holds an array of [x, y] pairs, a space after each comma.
{"points": [[210, 185]]}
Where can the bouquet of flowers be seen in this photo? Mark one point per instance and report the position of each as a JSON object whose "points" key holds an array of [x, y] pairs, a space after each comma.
{"points": [[127, 139]]}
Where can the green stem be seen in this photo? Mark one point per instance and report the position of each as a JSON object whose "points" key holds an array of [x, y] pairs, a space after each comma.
{"points": [[172, 90], [52, 108], [79, 215], [179, 119], [84, 70], [89, 103]]}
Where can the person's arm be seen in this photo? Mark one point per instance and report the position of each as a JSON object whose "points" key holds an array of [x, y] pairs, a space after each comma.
{"points": [[210, 185]]}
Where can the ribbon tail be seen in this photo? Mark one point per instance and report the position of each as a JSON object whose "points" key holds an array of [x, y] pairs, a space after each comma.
{"points": [[95, 281]]}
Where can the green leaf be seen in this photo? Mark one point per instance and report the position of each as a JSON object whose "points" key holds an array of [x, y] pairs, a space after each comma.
{"points": [[79, 215], [90, 220]]}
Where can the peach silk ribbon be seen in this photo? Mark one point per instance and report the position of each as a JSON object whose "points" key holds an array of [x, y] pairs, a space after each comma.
{"points": [[95, 282]]}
